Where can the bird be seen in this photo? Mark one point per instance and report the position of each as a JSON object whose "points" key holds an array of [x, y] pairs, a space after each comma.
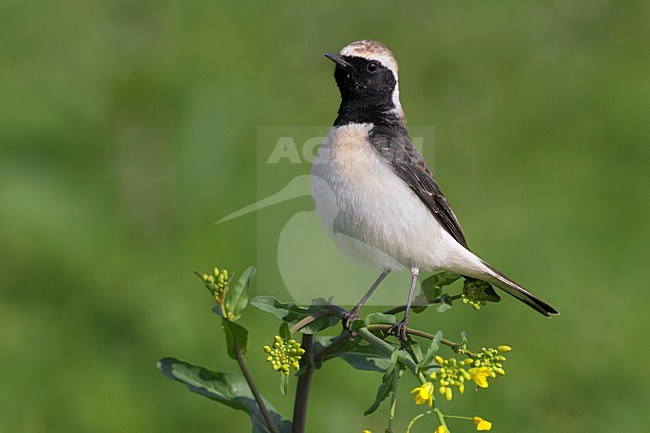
{"points": [[376, 196]]}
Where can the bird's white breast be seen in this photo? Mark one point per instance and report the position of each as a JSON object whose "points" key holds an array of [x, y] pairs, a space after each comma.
{"points": [[371, 214]]}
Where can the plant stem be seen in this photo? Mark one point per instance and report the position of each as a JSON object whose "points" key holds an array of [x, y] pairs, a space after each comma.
{"points": [[253, 388], [467, 418], [441, 417], [414, 332], [307, 320], [332, 310], [302, 390], [414, 420], [335, 344], [337, 311], [393, 401], [387, 348]]}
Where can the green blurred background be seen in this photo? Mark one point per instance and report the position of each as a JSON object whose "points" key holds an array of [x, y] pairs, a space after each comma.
{"points": [[127, 128]]}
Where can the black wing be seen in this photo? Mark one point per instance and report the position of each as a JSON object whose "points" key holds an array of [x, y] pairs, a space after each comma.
{"points": [[394, 144]]}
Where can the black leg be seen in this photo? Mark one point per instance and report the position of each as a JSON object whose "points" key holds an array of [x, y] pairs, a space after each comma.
{"points": [[399, 329], [353, 314]]}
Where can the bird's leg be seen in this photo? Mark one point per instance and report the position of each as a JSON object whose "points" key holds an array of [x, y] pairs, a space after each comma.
{"points": [[353, 314], [399, 329]]}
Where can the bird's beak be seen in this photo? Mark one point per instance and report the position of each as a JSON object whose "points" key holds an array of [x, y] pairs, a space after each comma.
{"points": [[339, 60]]}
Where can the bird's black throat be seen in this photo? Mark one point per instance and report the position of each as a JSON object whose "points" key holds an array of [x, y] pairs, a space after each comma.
{"points": [[360, 111], [366, 93]]}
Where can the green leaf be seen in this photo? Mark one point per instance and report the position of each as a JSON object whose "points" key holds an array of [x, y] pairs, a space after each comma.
{"points": [[229, 389], [380, 319], [445, 303], [217, 310], [432, 286], [356, 324], [284, 332], [432, 289], [413, 349], [322, 341], [367, 358], [320, 324], [360, 356], [236, 336], [237, 295], [327, 321], [292, 313], [289, 312], [386, 383], [441, 279], [394, 357], [427, 360], [491, 295], [284, 383]]}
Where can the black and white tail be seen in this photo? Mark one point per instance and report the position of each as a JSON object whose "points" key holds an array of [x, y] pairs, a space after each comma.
{"points": [[498, 279]]}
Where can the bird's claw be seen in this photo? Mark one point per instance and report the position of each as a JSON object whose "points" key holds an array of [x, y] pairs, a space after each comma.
{"points": [[349, 317], [400, 331]]}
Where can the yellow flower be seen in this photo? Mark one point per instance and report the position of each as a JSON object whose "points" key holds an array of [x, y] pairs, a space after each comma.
{"points": [[441, 429], [481, 424], [450, 373], [424, 394], [216, 283], [490, 358], [474, 293], [284, 354], [447, 392], [367, 431], [479, 376]]}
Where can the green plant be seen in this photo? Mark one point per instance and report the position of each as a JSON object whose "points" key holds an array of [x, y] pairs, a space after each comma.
{"points": [[368, 346]]}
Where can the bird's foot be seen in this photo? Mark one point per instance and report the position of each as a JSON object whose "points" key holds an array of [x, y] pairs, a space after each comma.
{"points": [[350, 317], [400, 331]]}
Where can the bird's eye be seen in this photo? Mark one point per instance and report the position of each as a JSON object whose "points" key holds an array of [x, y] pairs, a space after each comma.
{"points": [[372, 66]]}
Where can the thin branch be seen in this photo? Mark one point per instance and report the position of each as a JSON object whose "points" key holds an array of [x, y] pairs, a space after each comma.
{"points": [[393, 400], [331, 310], [374, 340], [337, 311], [414, 420], [347, 336], [466, 418], [308, 320], [344, 337], [441, 417], [387, 348], [416, 332], [302, 390], [253, 388]]}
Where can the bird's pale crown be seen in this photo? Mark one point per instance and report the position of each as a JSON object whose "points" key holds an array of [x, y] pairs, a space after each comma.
{"points": [[371, 50]]}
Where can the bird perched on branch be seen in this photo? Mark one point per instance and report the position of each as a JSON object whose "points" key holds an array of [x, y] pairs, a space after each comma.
{"points": [[375, 194]]}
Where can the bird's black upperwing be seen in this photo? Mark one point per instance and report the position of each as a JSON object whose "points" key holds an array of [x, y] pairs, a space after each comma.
{"points": [[394, 144]]}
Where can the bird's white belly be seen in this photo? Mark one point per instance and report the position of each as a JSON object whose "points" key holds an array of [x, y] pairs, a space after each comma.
{"points": [[372, 215]]}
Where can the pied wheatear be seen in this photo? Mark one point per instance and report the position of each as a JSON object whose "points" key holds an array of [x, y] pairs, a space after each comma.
{"points": [[376, 196]]}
